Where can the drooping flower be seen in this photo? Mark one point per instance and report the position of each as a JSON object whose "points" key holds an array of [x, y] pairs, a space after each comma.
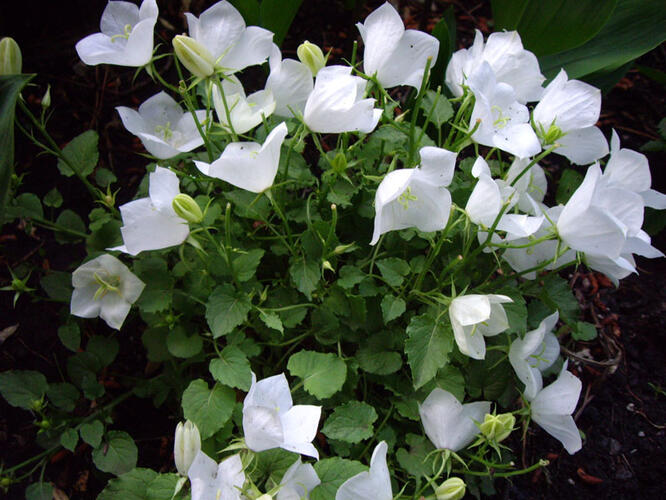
{"points": [[163, 127], [186, 446], [297, 482], [231, 45], [395, 55], [510, 62], [270, 419], [566, 115], [248, 165], [290, 82], [245, 113], [212, 481], [151, 223], [534, 353], [416, 197], [552, 408], [336, 103], [474, 317], [373, 484], [488, 196], [449, 424], [126, 37], [104, 287]]}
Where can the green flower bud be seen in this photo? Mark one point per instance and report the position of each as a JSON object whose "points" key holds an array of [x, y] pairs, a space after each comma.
{"points": [[553, 134], [312, 56], [187, 208], [339, 163], [11, 60], [497, 427], [265, 496], [451, 489], [186, 445], [46, 99], [194, 56]]}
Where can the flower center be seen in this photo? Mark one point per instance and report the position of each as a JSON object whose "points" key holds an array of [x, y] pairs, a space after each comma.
{"points": [[164, 131], [406, 197], [127, 30], [501, 120], [106, 284]]}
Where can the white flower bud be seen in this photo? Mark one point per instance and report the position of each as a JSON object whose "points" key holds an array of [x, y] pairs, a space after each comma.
{"points": [[312, 56], [187, 208], [11, 60], [186, 445], [451, 489], [194, 56]]}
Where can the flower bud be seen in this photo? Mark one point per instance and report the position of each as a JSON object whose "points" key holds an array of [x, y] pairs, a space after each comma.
{"points": [[11, 61], [194, 56], [46, 99], [312, 56], [187, 208], [451, 489], [265, 496], [339, 163], [186, 445], [497, 427]]}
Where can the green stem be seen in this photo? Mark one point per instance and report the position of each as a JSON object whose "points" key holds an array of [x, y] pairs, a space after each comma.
{"points": [[415, 112]]}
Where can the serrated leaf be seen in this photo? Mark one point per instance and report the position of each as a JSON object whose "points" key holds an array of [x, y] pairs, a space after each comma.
{"points": [[584, 331], [350, 276], [53, 198], [437, 106], [81, 153], [427, 347], [272, 464], [305, 275], [182, 345], [323, 374], [92, 432], [117, 454], [246, 265], [332, 472], [569, 182], [208, 408], [378, 362], [414, 460], [69, 439], [226, 309], [271, 320], [63, 395], [22, 387], [132, 485], [232, 368], [393, 270], [351, 422], [157, 295], [451, 379], [556, 294], [392, 307]]}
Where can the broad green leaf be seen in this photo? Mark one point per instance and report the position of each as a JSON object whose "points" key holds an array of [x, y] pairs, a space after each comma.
{"points": [[105, 349], [351, 422], [232, 368], [392, 307], [69, 219], [69, 439], [323, 374], [271, 320], [81, 153], [249, 205], [70, 336], [569, 182], [117, 454], [22, 388], [208, 408], [246, 264], [437, 106], [393, 270], [332, 472], [226, 309], [249, 9], [417, 460], [427, 347], [305, 275], [451, 379], [92, 432], [157, 294], [163, 487], [516, 311], [104, 177], [143, 484], [272, 464], [39, 491], [155, 342], [182, 345], [58, 285], [349, 276], [584, 331], [53, 198], [277, 16], [556, 294], [489, 378], [378, 362], [63, 395], [26, 205]]}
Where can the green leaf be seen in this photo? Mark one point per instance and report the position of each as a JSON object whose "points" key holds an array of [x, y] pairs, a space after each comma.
{"points": [[437, 106], [155, 342], [104, 177], [427, 347], [584, 331], [451, 379], [182, 345], [351, 422], [569, 182], [226, 309], [132, 485], [332, 472], [378, 362], [81, 153], [277, 16], [417, 461], [117, 454], [516, 311], [22, 388], [246, 264], [489, 378], [445, 32], [70, 336], [157, 295], [350, 276], [556, 294], [232, 368], [305, 275], [92, 432], [105, 349], [53, 198], [58, 286], [323, 374], [393, 270], [249, 9], [272, 464], [69, 439], [208, 408], [63, 395], [39, 491], [271, 320], [392, 307], [26, 205], [249, 205], [70, 220]]}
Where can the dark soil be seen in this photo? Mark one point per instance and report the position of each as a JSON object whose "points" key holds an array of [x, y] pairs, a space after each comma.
{"points": [[622, 410]]}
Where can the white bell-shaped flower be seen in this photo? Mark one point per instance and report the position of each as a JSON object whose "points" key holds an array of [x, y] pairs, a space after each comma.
{"points": [[126, 37], [488, 196], [245, 113], [395, 55], [151, 223], [104, 287], [553, 406], [164, 128], [531, 187], [373, 484], [336, 103], [416, 197], [474, 317], [449, 424], [297, 482], [290, 82], [248, 165], [212, 481], [270, 419]]}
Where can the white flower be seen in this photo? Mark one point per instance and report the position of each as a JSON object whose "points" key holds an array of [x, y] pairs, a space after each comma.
{"points": [[503, 121], [270, 420], [374, 484], [449, 424], [186, 445], [248, 165], [163, 127], [531, 187], [297, 482], [290, 82], [509, 61], [397, 56], [126, 38], [336, 103], [104, 287], [211, 481], [566, 115], [488, 196], [416, 197], [534, 353], [245, 112], [232, 47], [552, 408], [151, 223], [475, 316]]}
